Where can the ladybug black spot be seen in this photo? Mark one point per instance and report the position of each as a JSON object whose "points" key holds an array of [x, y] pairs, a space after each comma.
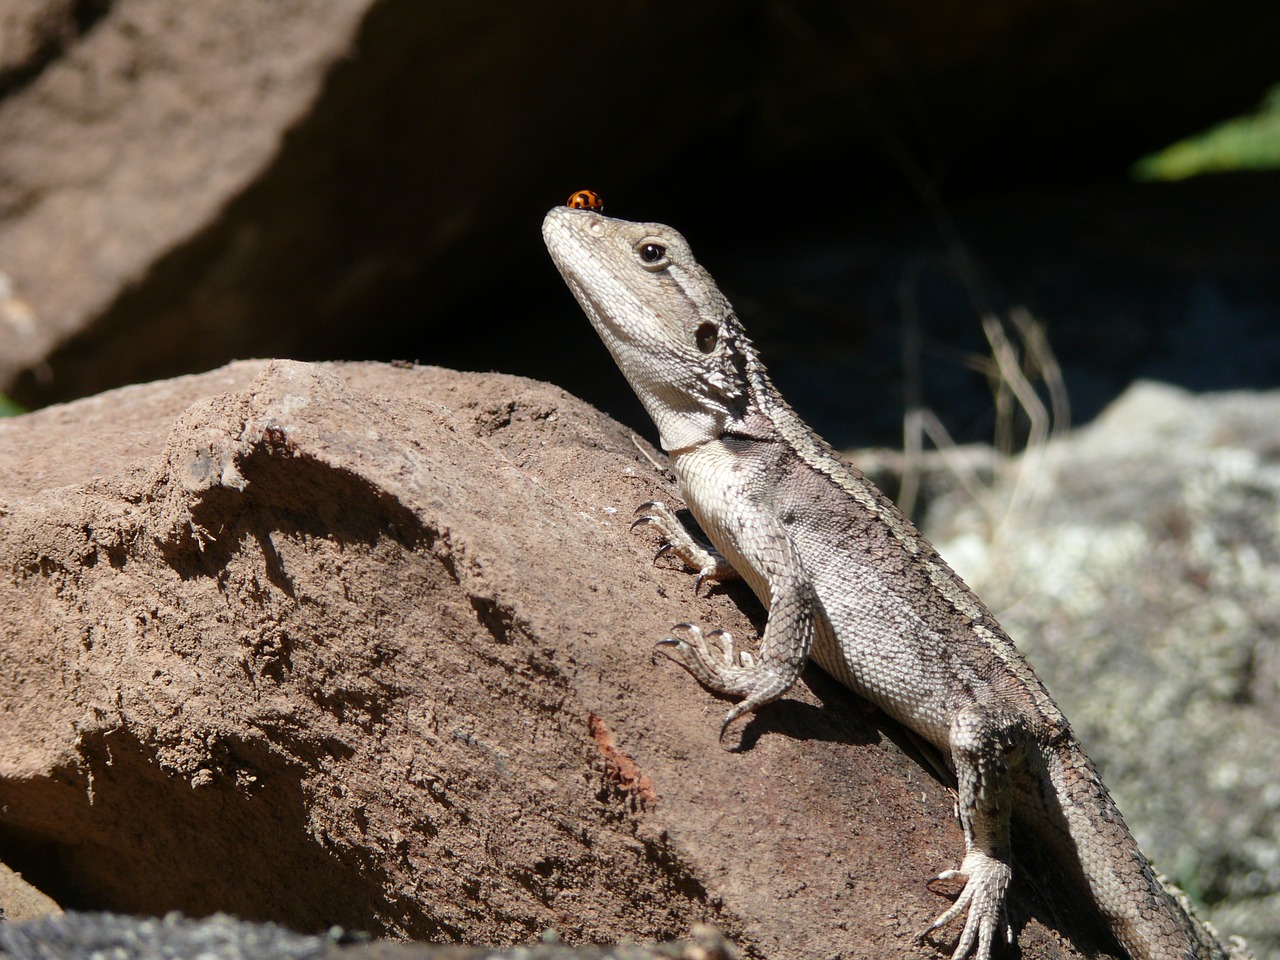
{"points": [[585, 200]]}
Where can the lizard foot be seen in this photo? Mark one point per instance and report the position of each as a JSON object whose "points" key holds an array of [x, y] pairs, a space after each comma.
{"points": [[715, 669], [735, 672], [981, 902], [678, 540]]}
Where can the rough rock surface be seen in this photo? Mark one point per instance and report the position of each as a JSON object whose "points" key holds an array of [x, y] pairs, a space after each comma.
{"points": [[19, 900], [126, 127], [370, 646], [75, 936]]}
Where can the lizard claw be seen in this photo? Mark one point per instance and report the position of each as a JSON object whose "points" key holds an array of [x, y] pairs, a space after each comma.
{"points": [[675, 538], [651, 512], [737, 711], [736, 673], [674, 648], [693, 653]]}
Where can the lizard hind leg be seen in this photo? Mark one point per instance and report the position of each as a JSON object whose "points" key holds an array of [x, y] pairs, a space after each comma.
{"points": [[981, 744]]}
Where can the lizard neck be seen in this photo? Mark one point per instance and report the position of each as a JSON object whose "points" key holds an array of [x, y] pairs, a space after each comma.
{"points": [[685, 425]]}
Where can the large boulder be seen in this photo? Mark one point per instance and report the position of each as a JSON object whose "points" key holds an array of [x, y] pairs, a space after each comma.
{"points": [[371, 646]]}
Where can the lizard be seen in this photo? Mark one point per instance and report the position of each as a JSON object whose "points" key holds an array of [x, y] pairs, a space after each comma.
{"points": [[848, 580]]}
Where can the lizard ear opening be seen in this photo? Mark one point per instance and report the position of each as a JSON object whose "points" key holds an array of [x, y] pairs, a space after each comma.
{"points": [[706, 336]]}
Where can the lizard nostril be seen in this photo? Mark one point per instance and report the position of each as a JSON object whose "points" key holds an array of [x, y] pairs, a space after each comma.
{"points": [[595, 227]]}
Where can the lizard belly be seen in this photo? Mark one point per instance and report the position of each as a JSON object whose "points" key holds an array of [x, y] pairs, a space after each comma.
{"points": [[875, 635], [860, 618], [717, 492], [868, 657]]}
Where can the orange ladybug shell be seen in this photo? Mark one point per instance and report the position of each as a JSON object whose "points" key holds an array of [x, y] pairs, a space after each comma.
{"points": [[584, 200]]}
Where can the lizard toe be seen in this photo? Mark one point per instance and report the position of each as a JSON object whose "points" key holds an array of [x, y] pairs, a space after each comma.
{"points": [[690, 652], [708, 572], [724, 639]]}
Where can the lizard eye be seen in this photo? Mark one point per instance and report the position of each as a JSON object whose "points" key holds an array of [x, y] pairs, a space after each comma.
{"points": [[653, 255], [706, 336]]}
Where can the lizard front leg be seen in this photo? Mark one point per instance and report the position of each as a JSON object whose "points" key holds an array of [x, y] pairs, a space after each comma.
{"points": [[982, 744], [788, 635], [677, 539]]}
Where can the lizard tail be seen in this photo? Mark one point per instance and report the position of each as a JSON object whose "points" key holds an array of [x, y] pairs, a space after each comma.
{"points": [[1150, 921]]}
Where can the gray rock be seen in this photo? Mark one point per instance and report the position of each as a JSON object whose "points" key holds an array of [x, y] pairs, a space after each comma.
{"points": [[1143, 580], [106, 936], [109, 936]]}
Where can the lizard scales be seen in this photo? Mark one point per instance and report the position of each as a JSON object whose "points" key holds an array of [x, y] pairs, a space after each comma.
{"points": [[849, 581]]}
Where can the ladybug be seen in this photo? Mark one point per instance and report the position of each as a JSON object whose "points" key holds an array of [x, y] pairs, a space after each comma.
{"points": [[585, 200]]}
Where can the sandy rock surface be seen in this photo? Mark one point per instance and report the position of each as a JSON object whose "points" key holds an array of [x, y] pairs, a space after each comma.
{"points": [[371, 646]]}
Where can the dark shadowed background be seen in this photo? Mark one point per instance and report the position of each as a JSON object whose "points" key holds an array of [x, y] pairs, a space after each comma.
{"points": [[182, 185]]}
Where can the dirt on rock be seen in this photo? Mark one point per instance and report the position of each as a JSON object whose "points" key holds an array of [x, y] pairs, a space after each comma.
{"points": [[370, 646]]}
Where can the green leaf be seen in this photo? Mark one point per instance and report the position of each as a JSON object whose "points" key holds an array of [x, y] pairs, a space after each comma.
{"points": [[1251, 142]]}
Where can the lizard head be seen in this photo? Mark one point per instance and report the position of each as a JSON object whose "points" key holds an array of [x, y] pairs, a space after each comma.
{"points": [[669, 328]]}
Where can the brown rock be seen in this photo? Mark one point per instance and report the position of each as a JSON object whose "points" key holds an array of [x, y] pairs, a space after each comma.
{"points": [[128, 133], [371, 646], [20, 901]]}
